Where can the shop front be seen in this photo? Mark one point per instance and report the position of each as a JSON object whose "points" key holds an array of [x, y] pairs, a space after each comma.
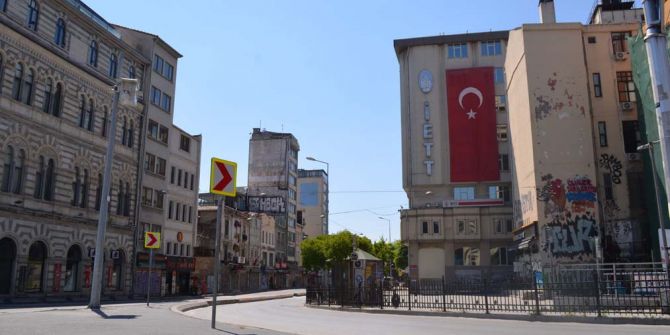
{"points": [[178, 275], [142, 278]]}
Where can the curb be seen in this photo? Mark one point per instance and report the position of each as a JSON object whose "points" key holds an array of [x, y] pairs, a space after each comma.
{"points": [[511, 317], [182, 308]]}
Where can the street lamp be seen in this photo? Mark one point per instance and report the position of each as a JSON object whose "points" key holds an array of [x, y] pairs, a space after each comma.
{"points": [[664, 248], [327, 189], [389, 221], [126, 91]]}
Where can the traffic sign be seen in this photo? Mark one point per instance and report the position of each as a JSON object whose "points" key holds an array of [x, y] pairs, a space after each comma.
{"points": [[152, 240], [223, 177]]}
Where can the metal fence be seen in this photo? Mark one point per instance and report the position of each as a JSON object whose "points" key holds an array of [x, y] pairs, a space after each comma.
{"points": [[639, 290]]}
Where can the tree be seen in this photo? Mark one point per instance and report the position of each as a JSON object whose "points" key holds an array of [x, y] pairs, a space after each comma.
{"points": [[313, 253], [318, 251]]}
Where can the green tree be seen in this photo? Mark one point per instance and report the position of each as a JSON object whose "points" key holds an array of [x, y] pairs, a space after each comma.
{"points": [[400, 255], [313, 253]]}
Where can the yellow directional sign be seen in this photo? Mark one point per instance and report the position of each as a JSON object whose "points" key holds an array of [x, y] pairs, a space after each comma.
{"points": [[223, 177], [152, 240]]}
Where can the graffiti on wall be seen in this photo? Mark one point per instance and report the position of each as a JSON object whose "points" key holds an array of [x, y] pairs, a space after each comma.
{"points": [[618, 239], [570, 207], [267, 204], [549, 102], [611, 209], [612, 165]]}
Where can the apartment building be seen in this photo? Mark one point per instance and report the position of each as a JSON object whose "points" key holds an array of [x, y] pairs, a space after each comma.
{"points": [[574, 123], [313, 202], [456, 155], [59, 61]]}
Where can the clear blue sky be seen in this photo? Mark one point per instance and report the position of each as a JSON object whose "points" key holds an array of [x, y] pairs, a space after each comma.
{"points": [[325, 71]]}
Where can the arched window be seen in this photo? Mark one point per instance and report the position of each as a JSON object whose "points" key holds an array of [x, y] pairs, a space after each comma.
{"points": [[117, 270], [57, 100], [59, 39], [37, 255], [113, 65], [93, 54], [27, 89], [131, 72], [98, 192], [75, 187], [48, 96], [8, 169], [18, 80], [131, 135], [119, 199], [7, 257], [50, 180], [126, 202], [90, 113], [124, 131], [17, 183], [33, 14], [72, 266], [84, 190], [39, 178], [104, 122]]}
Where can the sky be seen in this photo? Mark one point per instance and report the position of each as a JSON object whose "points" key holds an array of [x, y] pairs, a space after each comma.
{"points": [[325, 71]]}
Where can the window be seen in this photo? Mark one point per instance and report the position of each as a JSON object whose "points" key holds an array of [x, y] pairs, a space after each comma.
{"points": [[457, 50], [86, 114], [499, 75], [591, 39], [131, 135], [90, 116], [48, 88], [179, 178], [491, 48], [93, 54], [72, 269], [33, 14], [18, 82], [158, 64], [44, 179], [168, 71], [602, 132], [147, 196], [152, 130], [499, 256], [76, 186], [502, 132], [181, 250], [13, 170], [631, 136], [166, 102], [193, 179], [59, 38], [170, 209], [464, 193], [436, 227], [172, 173], [501, 103], [597, 86], [37, 255], [131, 72], [471, 227], [27, 89], [183, 213], [626, 86], [619, 43], [155, 96], [499, 192], [466, 256], [168, 248], [188, 250], [124, 131], [98, 193], [116, 279], [104, 122], [163, 134], [190, 214], [185, 143], [113, 65], [84, 186], [163, 68], [185, 179], [150, 162], [177, 211], [503, 162], [160, 166], [159, 199]]}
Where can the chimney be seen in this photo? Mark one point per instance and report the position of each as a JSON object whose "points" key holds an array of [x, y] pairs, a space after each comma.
{"points": [[547, 11]]}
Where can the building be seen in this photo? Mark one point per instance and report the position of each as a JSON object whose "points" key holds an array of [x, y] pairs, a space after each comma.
{"points": [[455, 155], [272, 189], [169, 179], [574, 125], [313, 202], [58, 63]]}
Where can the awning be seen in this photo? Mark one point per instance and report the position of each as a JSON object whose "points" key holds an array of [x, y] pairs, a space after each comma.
{"points": [[525, 243]]}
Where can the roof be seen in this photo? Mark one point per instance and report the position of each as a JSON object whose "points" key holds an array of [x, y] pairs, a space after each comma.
{"points": [[158, 39], [365, 256], [401, 45]]}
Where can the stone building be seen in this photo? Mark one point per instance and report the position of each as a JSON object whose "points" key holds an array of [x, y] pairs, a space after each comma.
{"points": [[456, 155], [574, 124], [58, 63]]}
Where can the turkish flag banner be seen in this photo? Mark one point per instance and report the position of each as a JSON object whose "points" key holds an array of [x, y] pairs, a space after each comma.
{"points": [[473, 143]]}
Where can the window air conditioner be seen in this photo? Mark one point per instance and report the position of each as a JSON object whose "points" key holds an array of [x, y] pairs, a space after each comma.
{"points": [[619, 56], [627, 105]]}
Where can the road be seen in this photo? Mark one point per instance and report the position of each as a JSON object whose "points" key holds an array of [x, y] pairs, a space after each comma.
{"points": [[124, 319], [291, 316]]}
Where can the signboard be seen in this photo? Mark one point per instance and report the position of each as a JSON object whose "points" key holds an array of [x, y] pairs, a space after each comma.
{"points": [[223, 177], [152, 240]]}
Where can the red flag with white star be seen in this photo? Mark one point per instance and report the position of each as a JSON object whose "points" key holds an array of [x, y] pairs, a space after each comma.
{"points": [[473, 143]]}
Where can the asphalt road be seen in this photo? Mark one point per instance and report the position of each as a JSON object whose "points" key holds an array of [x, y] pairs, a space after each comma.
{"points": [[291, 316], [124, 319]]}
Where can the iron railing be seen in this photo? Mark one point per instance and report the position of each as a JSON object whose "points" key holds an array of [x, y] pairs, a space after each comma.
{"points": [[598, 291]]}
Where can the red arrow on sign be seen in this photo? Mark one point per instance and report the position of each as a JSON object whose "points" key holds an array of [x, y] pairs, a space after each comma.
{"points": [[227, 178], [152, 240]]}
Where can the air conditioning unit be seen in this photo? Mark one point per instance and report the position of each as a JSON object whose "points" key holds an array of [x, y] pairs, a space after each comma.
{"points": [[627, 105], [241, 260], [633, 156], [619, 56]]}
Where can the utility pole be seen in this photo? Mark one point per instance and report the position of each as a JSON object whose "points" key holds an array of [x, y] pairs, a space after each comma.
{"points": [[659, 69], [220, 212]]}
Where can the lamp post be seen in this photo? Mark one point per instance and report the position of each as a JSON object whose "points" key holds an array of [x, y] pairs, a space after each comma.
{"points": [[127, 92], [327, 190], [389, 221], [664, 248]]}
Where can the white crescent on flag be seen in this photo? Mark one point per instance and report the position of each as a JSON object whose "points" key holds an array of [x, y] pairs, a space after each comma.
{"points": [[470, 90]]}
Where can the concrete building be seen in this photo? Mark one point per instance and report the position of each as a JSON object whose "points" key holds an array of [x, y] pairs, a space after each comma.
{"points": [[171, 156], [272, 189], [313, 202], [574, 134], [58, 63], [456, 155]]}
